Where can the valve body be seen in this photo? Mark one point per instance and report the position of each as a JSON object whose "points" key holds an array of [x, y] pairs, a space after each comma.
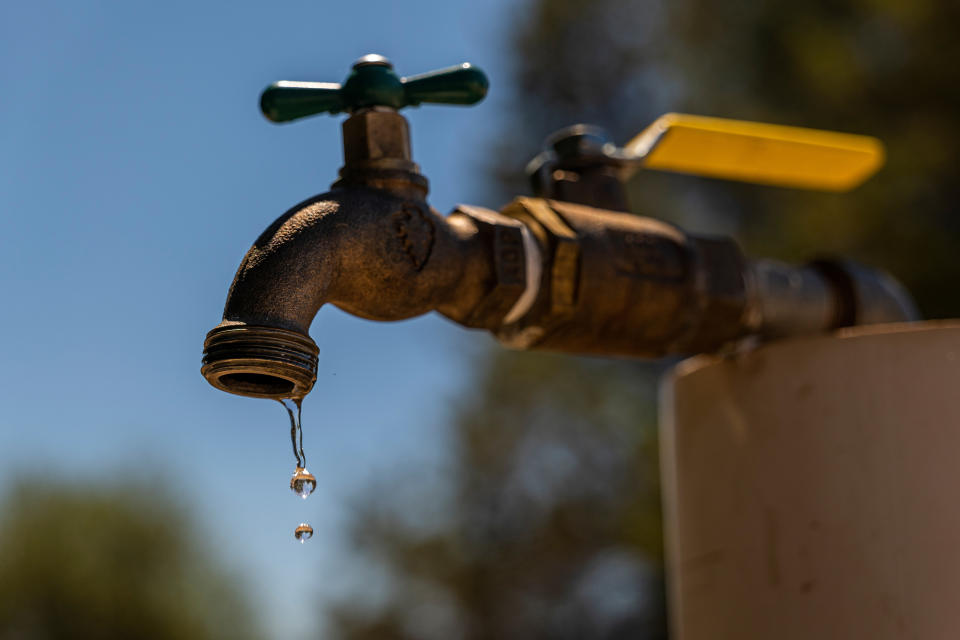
{"points": [[541, 273]]}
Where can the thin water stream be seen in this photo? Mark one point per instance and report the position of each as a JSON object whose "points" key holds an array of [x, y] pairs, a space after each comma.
{"points": [[302, 482]]}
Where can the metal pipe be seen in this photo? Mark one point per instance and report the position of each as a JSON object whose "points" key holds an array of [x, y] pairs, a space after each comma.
{"points": [[539, 274], [367, 252], [787, 300], [826, 294], [373, 247]]}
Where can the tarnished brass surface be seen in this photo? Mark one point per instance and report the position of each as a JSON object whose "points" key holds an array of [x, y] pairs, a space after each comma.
{"points": [[375, 136], [503, 238], [623, 285], [542, 274], [371, 246], [376, 151], [263, 362], [370, 253], [577, 166], [612, 284]]}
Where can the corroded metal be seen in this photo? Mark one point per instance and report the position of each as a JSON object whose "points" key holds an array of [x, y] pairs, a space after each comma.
{"points": [[371, 246], [580, 165], [542, 273], [259, 361], [619, 284]]}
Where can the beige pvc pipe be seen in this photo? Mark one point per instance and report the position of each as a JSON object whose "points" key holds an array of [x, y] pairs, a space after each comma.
{"points": [[812, 488]]}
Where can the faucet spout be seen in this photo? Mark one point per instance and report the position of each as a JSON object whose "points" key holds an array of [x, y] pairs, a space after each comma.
{"points": [[373, 247], [368, 251], [540, 274]]}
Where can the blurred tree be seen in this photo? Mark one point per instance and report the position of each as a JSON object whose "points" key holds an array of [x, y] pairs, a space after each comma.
{"points": [[880, 67], [552, 527], [107, 563], [575, 62]]}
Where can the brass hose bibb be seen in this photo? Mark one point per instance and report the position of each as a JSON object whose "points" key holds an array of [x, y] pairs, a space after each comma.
{"points": [[548, 273]]}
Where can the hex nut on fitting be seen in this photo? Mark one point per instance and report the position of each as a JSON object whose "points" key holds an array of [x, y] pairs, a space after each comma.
{"points": [[506, 237], [371, 135]]}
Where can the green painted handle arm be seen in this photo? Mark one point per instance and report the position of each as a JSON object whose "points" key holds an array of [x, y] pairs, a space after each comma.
{"points": [[284, 101], [372, 83], [462, 84]]}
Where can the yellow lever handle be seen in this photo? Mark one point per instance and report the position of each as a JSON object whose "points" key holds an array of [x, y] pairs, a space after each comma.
{"points": [[755, 152]]}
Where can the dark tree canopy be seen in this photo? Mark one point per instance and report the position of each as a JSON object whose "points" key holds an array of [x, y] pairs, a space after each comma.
{"points": [[118, 562], [551, 527], [875, 67]]}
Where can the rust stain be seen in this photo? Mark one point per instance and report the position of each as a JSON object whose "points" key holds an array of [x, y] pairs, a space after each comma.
{"points": [[415, 232]]}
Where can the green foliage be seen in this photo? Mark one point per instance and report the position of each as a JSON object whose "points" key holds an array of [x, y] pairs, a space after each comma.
{"points": [[879, 67], [551, 528], [572, 62], [116, 562]]}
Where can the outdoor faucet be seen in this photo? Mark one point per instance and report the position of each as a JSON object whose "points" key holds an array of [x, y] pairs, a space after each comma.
{"points": [[540, 273]]}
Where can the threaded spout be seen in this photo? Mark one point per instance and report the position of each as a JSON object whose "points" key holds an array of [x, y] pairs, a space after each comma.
{"points": [[261, 362], [370, 252]]}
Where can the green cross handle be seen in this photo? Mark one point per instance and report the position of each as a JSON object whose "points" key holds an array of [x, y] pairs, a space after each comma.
{"points": [[371, 83]]}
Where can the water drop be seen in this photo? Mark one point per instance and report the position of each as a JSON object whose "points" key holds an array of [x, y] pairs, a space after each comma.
{"points": [[302, 482], [303, 533]]}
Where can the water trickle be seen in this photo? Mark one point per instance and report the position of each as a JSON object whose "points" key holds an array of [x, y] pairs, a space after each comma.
{"points": [[292, 405], [303, 482], [303, 533]]}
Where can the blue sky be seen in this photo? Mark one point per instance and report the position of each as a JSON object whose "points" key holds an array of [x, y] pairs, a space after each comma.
{"points": [[135, 171]]}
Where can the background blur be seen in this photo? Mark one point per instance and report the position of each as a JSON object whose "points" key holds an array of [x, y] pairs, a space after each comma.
{"points": [[464, 491]]}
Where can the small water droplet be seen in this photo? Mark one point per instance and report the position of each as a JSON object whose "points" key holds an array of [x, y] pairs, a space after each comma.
{"points": [[303, 533], [302, 482]]}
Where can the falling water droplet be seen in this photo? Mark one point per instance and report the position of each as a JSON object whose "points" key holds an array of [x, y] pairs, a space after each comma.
{"points": [[303, 482], [303, 533]]}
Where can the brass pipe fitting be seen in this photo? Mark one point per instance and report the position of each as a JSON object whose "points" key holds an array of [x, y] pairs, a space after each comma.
{"points": [[825, 294], [371, 246], [543, 273], [372, 254], [622, 285], [540, 274], [616, 284]]}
